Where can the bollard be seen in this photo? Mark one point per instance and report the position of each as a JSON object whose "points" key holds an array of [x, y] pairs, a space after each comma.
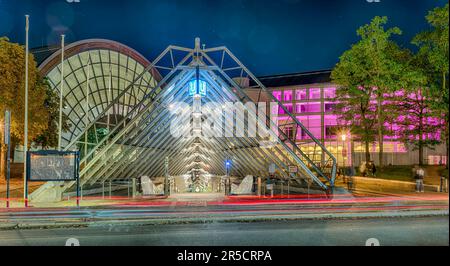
{"points": [[288, 188], [128, 189], [259, 187], [133, 188]]}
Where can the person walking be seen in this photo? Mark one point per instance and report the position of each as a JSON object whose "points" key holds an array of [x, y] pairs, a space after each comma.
{"points": [[363, 169], [351, 179], [374, 170], [420, 175]]}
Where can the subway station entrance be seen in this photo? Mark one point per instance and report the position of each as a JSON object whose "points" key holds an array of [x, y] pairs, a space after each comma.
{"points": [[195, 120]]}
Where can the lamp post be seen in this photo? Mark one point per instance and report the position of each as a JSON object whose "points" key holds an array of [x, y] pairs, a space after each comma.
{"points": [[61, 93], [228, 179], [25, 137]]}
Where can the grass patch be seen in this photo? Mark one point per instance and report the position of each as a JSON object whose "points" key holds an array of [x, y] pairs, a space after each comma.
{"points": [[399, 173]]}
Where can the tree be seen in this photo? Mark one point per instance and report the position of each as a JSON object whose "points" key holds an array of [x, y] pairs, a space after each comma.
{"points": [[365, 74], [434, 49], [417, 126], [12, 96], [353, 99], [408, 109]]}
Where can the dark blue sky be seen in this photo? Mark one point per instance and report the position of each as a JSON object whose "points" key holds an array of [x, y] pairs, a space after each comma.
{"points": [[269, 36]]}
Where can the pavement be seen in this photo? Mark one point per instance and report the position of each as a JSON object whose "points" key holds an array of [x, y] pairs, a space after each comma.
{"points": [[415, 231]]}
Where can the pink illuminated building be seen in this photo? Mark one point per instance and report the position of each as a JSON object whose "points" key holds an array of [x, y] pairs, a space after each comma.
{"points": [[310, 97]]}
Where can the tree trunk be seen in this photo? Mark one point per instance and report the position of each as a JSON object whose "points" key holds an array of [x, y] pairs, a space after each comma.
{"points": [[13, 150], [420, 153], [447, 145], [380, 134], [367, 152], [3, 152], [446, 167], [421, 140]]}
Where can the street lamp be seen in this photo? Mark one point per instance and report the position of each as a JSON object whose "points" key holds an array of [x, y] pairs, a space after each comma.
{"points": [[228, 178]]}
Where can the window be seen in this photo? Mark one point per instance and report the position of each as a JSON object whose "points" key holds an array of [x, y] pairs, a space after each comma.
{"points": [[289, 133], [277, 95], [301, 95], [289, 107], [330, 107], [299, 108], [329, 93], [312, 107], [288, 96], [330, 131], [314, 93]]}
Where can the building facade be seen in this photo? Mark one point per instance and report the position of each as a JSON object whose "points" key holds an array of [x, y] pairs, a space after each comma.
{"points": [[311, 98]]}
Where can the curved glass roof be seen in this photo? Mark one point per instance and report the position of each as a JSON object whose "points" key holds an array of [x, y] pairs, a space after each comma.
{"points": [[92, 80]]}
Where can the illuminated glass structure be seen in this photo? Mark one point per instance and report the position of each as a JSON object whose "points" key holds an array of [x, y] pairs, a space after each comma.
{"points": [[102, 70]]}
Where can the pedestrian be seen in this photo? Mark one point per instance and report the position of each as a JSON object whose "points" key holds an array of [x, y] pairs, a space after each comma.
{"points": [[420, 175], [374, 169], [362, 169], [351, 179], [369, 168]]}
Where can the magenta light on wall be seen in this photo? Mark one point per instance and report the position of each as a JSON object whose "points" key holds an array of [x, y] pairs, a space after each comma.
{"points": [[329, 93], [277, 95]]}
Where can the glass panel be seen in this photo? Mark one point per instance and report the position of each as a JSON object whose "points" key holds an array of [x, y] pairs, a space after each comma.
{"points": [[289, 108], [329, 93], [277, 95], [312, 107], [301, 95], [314, 93], [330, 107], [288, 96]]}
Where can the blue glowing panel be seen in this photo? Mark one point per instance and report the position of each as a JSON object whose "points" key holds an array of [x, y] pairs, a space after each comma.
{"points": [[193, 90]]}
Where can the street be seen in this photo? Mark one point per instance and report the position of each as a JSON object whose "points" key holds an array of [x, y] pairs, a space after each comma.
{"points": [[388, 231]]}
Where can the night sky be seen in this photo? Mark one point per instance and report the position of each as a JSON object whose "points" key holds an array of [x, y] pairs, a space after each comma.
{"points": [[269, 36]]}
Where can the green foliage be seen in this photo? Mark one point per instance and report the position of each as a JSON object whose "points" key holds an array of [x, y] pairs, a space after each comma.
{"points": [[42, 100], [434, 60], [364, 74], [49, 137]]}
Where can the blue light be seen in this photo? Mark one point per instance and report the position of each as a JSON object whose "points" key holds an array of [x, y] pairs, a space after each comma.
{"points": [[193, 90], [228, 163]]}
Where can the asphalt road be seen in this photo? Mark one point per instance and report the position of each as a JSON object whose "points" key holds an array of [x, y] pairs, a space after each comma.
{"points": [[388, 231]]}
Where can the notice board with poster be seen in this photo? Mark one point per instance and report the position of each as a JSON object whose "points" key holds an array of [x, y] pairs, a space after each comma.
{"points": [[43, 166]]}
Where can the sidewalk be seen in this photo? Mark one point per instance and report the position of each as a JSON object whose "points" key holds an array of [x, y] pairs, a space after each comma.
{"points": [[16, 188]]}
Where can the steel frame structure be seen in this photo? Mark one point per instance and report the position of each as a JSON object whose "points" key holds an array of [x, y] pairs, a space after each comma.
{"points": [[139, 141]]}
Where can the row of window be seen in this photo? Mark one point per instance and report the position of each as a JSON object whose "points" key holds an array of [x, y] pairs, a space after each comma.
{"points": [[304, 94], [300, 108]]}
